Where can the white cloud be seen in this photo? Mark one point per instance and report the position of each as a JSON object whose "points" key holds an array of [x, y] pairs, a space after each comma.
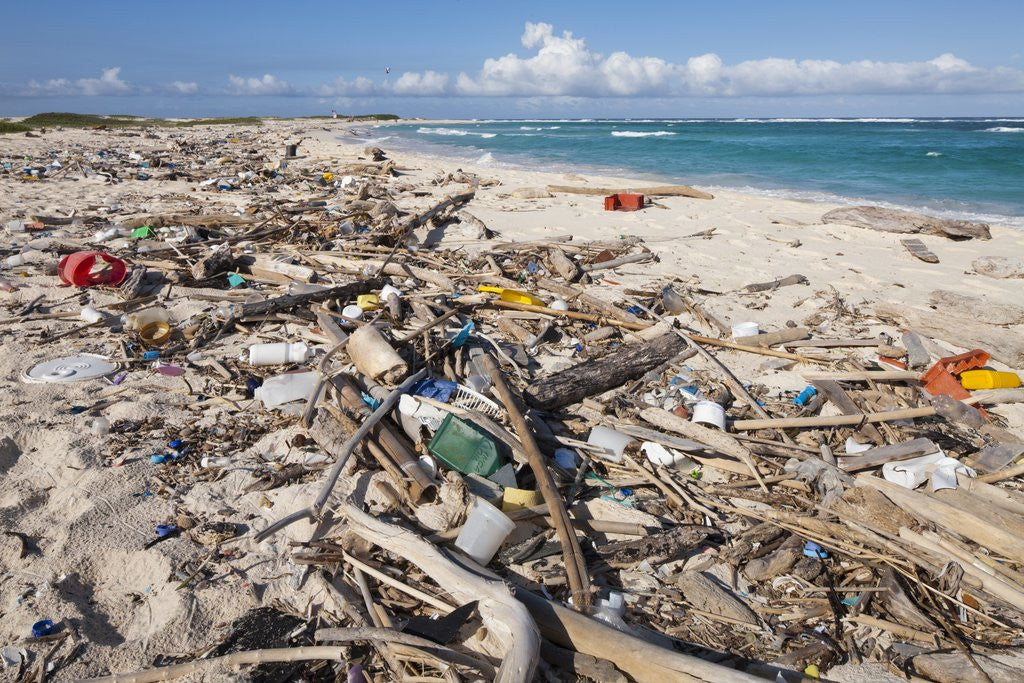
{"points": [[268, 85], [183, 88], [109, 83], [564, 65]]}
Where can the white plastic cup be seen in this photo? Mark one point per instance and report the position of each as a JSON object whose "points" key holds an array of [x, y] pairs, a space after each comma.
{"points": [[279, 354], [709, 413], [748, 329], [484, 532], [612, 443], [91, 315]]}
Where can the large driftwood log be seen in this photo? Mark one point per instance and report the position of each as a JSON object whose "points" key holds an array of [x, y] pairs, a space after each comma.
{"points": [[954, 667], [905, 222], [218, 260], [981, 309], [775, 284], [508, 622], [1006, 346], [659, 191], [213, 220], [595, 376]]}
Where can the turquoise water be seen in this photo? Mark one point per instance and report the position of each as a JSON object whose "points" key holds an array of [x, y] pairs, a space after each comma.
{"points": [[967, 168]]}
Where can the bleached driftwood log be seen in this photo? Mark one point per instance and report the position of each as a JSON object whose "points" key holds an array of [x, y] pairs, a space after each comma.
{"points": [[905, 222]]}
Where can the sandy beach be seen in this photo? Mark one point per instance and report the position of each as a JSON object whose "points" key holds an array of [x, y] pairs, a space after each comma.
{"points": [[79, 509]]}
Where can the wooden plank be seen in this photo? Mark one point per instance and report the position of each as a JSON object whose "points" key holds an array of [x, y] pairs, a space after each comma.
{"points": [[917, 248]]}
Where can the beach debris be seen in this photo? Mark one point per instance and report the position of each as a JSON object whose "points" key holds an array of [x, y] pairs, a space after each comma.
{"points": [[918, 250], [378, 454], [1000, 267], [898, 221]]}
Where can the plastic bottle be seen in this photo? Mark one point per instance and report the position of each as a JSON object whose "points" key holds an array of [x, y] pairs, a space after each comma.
{"points": [[804, 396], [284, 388], [210, 462], [672, 302], [279, 354]]}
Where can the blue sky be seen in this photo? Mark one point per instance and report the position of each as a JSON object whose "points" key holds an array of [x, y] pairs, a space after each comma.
{"points": [[515, 59]]}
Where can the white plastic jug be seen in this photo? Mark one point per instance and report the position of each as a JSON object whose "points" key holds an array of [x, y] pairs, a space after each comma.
{"points": [[484, 532], [284, 388]]}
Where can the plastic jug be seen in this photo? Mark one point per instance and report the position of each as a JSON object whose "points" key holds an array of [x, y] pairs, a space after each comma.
{"points": [[989, 379], [279, 354], [284, 388]]}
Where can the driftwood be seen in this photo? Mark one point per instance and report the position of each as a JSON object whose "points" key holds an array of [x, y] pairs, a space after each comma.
{"points": [[563, 265], [213, 220], [894, 220], [132, 286], [918, 249], [219, 260], [641, 660], [1006, 346], [789, 334], [708, 596], [879, 456], [659, 191], [775, 284], [349, 291], [509, 625], [596, 376], [398, 269], [833, 421], [955, 667], [642, 257]]}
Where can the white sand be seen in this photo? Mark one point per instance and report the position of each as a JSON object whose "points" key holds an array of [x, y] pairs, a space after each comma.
{"points": [[88, 521]]}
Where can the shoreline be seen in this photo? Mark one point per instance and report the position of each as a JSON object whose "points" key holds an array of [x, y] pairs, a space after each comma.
{"points": [[930, 206]]}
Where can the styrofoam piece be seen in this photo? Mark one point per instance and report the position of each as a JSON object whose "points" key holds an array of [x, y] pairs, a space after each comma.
{"points": [[747, 329]]}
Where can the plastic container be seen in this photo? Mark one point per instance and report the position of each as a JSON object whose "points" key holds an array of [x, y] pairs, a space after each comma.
{"points": [[152, 324], [989, 379], [368, 302], [285, 388], [612, 443], [517, 499], [211, 462], [513, 295], [484, 532], [279, 354], [91, 315], [671, 301], [709, 413], [748, 329], [465, 448], [559, 305]]}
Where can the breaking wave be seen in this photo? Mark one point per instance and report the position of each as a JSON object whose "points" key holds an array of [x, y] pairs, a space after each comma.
{"points": [[453, 131], [1003, 129], [641, 134]]}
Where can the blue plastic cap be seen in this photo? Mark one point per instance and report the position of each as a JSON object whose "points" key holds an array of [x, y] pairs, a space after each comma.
{"points": [[43, 628], [165, 529], [812, 549]]}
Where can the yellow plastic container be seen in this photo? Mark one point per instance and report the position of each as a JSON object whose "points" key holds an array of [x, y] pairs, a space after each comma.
{"points": [[368, 302], [989, 379], [513, 295], [517, 499]]}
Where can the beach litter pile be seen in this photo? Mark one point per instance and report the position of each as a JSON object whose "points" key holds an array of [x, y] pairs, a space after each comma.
{"points": [[373, 458]]}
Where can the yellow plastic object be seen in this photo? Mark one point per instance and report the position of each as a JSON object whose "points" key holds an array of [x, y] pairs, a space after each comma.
{"points": [[989, 379], [328, 177], [812, 671], [513, 295], [368, 302], [517, 499]]}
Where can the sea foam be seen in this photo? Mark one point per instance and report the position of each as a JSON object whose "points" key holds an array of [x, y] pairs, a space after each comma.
{"points": [[1003, 129], [641, 134]]}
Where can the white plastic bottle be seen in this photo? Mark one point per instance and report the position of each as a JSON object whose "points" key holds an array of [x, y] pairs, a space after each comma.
{"points": [[279, 354]]}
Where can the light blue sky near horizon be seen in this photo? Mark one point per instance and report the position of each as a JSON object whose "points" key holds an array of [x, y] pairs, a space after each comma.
{"points": [[192, 58]]}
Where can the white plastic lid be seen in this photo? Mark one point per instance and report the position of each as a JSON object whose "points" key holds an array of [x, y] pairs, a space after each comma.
{"points": [[69, 369]]}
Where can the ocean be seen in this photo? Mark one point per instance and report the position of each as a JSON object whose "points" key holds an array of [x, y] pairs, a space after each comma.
{"points": [[970, 168]]}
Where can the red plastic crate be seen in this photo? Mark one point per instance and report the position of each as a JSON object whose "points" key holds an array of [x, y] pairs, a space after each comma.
{"points": [[624, 202]]}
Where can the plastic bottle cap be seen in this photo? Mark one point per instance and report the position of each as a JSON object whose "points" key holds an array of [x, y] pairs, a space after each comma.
{"points": [[353, 312]]}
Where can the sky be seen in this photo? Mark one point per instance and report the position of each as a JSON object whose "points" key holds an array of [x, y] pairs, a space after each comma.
{"points": [[526, 59]]}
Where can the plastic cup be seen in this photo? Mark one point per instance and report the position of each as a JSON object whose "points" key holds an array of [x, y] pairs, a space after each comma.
{"points": [[484, 532], [709, 413], [745, 330]]}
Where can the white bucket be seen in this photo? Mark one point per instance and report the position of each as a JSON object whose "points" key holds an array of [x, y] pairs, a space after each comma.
{"points": [[279, 354], [745, 330], [612, 442], [709, 413], [484, 532]]}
